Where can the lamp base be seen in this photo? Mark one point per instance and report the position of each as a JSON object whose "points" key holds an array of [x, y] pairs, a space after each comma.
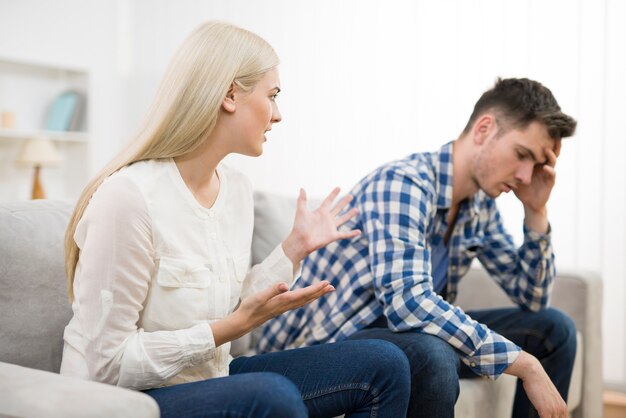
{"points": [[38, 192]]}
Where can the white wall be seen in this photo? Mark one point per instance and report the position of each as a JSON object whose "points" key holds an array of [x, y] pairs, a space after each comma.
{"points": [[365, 82], [86, 35]]}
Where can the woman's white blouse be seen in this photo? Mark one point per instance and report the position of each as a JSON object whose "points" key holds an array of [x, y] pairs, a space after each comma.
{"points": [[155, 269]]}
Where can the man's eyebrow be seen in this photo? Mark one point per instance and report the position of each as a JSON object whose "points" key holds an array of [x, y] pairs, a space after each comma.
{"points": [[532, 155]]}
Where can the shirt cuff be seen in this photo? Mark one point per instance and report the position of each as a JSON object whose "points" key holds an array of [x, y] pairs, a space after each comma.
{"points": [[493, 357], [536, 240], [198, 344], [532, 235]]}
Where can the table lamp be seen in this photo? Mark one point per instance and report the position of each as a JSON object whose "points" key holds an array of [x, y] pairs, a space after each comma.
{"points": [[38, 152]]}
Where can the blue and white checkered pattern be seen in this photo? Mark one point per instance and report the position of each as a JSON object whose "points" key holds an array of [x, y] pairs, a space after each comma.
{"points": [[403, 210]]}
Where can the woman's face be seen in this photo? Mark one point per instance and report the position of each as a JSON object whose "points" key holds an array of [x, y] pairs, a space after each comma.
{"points": [[256, 112]]}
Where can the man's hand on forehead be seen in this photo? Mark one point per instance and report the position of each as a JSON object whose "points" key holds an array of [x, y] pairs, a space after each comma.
{"points": [[557, 147]]}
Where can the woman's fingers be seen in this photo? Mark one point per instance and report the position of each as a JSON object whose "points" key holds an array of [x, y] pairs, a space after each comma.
{"points": [[296, 298], [341, 204], [349, 234], [346, 217], [302, 200], [273, 291], [330, 198]]}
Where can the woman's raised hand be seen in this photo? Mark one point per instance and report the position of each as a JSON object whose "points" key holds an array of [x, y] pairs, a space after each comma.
{"points": [[315, 229], [311, 230]]}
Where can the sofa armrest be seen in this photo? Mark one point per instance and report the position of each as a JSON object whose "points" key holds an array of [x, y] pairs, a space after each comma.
{"points": [[26, 392], [579, 294]]}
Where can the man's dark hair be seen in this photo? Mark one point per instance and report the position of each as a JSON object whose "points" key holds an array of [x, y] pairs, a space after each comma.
{"points": [[517, 102]]}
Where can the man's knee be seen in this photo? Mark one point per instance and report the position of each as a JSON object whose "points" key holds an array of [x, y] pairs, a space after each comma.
{"points": [[562, 329], [549, 332], [434, 362]]}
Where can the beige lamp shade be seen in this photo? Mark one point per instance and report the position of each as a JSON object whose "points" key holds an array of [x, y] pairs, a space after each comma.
{"points": [[39, 152]]}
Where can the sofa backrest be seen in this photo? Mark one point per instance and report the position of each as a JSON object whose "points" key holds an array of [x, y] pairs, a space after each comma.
{"points": [[273, 220], [34, 306]]}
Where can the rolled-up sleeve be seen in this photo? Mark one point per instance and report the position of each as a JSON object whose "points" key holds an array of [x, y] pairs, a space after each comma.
{"points": [[526, 273], [396, 210]]}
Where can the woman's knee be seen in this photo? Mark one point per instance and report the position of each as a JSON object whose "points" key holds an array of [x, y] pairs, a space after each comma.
{"points": [[390, 361], [382, 358], [386, 369], [274, 396], [388, 355]]}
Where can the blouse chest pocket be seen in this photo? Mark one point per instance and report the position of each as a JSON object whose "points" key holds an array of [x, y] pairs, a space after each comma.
{"points": [[173, 273], [239, 270], [181, 294], [242, 265]]}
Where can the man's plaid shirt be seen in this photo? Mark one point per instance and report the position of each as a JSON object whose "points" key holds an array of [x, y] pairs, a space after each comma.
{"points": [[403, 209]]}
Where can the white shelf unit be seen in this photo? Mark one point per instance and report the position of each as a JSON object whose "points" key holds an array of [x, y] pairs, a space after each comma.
{"points": [[17, 134], [27, 91]]}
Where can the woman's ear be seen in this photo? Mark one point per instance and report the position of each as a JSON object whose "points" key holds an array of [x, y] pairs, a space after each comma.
{"points": [[228, 103]]}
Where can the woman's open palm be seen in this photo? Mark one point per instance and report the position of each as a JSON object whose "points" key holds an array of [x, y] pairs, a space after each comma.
{"points": [[315, 229]]}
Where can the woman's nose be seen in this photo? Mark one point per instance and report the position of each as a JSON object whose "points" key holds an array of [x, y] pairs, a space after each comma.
{"points": [[276, 116]]}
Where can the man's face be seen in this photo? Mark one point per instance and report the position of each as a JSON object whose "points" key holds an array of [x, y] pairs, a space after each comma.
{"points": [[506, 161]]}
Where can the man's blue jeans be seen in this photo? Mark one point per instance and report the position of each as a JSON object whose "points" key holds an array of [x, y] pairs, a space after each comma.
{"points": [[356, 378], [549, 335]]}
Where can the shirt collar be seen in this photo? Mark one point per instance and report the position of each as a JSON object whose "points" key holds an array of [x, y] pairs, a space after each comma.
{"points": [[444, 182], [444, 177]]}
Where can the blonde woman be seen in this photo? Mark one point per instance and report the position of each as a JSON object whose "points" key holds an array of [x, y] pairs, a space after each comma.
{"points": [[157, 254]]}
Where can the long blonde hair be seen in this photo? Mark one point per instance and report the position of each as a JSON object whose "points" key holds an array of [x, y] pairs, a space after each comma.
{"points": [[214, 56]]}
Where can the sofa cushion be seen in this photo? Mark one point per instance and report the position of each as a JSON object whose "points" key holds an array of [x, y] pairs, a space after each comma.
{"points": [[34, 306]]}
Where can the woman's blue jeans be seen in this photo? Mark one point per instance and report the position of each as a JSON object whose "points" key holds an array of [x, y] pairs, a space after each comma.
{"points": [[549, 335], [367, 378]]}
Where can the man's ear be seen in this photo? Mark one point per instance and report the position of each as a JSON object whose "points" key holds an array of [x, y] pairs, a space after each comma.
{"points": [[228, 103], [483, 127]]}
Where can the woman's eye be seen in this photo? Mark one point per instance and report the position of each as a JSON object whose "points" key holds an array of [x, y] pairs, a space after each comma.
{"points": [[520, 156], [274, 97]]}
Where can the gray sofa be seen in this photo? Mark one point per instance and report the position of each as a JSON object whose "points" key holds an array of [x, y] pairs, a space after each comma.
{"points": [[34, 310]]}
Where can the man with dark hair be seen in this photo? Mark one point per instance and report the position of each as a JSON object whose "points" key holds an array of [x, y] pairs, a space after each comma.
{"points": [[424, 219]]}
